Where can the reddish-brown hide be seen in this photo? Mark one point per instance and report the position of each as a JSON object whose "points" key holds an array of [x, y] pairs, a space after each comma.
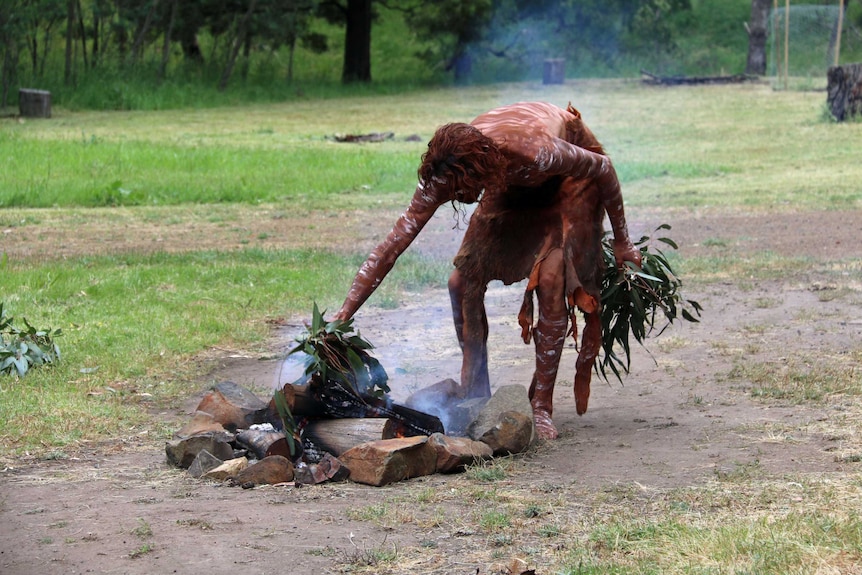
{"points": [[545, 185]]}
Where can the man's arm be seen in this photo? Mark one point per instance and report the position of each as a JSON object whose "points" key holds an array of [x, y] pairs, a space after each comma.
{"points": [[570, 160], [382, 258]]}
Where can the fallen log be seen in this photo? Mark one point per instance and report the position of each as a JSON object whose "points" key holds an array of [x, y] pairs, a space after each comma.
{"points": [[655, 80], [358, 138]]}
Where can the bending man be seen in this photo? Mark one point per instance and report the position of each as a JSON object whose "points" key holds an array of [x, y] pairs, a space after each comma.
{"points": [[543, 184]]}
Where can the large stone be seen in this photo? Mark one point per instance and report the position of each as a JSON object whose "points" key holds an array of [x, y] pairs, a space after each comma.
{"points": [[205, 461], [181, 452], [506, 398], [227, 470], [268, 471], [512, 434], [463, 413], [201, 422], [456, 453], [233, 406], [389, 460]]}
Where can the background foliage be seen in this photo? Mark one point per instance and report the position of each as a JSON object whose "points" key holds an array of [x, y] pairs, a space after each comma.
{"points": [[159, 54]]}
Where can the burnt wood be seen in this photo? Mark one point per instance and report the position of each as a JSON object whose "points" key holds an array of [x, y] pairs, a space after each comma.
{"points": [[335, 401]]}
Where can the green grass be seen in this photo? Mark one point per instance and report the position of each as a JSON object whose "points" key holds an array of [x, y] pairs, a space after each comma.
{"points": [[138, 324], [740, 147], [134, 324], [801, 380]]}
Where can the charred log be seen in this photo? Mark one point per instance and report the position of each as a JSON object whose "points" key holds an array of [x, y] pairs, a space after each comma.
{"points": [[333, 401]]}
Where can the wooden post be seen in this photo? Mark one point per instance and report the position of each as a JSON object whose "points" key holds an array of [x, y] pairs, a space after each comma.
{"points": [[34, 103], [775, 39], [838, 35], [786, 42]]}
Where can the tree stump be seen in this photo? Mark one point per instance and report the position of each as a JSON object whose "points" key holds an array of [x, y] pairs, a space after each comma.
{"points": [[554, 71], [34, 103], [844, 91]]}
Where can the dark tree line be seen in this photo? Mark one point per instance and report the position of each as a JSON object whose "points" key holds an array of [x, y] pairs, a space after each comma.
{"points": [[117, 32], [457, 33]]}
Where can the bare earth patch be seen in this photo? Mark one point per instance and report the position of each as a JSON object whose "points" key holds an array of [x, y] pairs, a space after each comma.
{"points": [[690, 423]]}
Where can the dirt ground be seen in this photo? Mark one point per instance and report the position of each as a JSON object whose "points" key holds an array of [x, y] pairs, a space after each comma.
{"points": [[680, 420]]}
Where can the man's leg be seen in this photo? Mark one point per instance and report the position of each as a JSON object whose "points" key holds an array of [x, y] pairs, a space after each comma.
{"points": [[471, 327], [549, 335], [591, 341]]}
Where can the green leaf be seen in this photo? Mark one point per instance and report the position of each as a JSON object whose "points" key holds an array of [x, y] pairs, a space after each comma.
{"points": [[287, 420], [648, 277], [21, 364], [669, 242], [686, 315]]}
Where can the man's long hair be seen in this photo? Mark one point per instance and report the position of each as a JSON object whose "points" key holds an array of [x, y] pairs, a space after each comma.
{"points": [[461, 161]]}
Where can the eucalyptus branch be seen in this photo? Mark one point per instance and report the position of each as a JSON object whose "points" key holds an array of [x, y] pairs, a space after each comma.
{"points": [[631, 298]]}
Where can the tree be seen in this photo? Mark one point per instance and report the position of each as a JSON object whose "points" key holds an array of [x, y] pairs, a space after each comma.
{"points": [[239, 40], [356, 16], [357, 42], [757, 33]]}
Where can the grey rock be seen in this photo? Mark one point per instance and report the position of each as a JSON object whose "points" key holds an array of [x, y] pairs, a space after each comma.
{"points": [[182, 452], [506, 398], [203, 462]]}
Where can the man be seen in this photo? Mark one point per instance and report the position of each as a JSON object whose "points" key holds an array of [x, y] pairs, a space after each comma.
{"points": [[543, 185]]}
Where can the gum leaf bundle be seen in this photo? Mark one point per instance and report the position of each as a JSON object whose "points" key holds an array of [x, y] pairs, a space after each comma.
{"points": [[634, 297]]}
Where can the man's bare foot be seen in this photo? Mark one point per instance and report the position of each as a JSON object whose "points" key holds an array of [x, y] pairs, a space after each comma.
{"points": [[545, 428]]}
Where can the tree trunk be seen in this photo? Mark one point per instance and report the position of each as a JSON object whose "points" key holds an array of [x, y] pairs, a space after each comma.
{"points": [[188, 23], [70, 23], [10, 63], [83, 32], [138, 44], [166, 47], [844, 91], [290, 55], [238, 43], [94, 52], [33, 45], [757, 32], [357, 42]]}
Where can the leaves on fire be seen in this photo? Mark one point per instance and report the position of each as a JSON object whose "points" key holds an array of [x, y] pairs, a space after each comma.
{"points": [[334, 356]]}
